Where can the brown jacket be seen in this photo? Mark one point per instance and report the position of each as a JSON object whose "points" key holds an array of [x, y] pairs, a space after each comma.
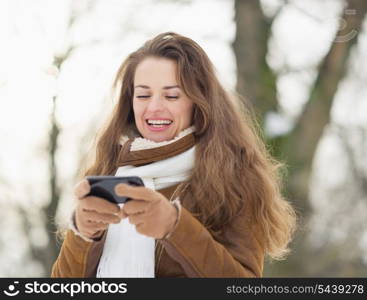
{"points": [[190, 251]]}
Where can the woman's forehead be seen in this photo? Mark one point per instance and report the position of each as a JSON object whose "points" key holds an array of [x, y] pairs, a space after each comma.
{"points": [[156, 67], [147, 87]]}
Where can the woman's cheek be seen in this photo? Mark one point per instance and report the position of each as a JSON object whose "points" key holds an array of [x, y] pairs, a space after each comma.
{"points": [[138, 110]]}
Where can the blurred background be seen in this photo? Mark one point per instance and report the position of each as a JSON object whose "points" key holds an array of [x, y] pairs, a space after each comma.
{"points": [[302, 63]]}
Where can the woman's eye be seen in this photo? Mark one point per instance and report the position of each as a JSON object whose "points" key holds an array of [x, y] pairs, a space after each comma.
{"points": [[142, 96], [172, 97]]}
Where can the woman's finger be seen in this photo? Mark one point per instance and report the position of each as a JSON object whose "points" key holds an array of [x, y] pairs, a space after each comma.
{"points": [[136, 219], [99, 205], [135, 206], [96, 217], [136, 192], [81, 189], [121, 214], [93, 227]]}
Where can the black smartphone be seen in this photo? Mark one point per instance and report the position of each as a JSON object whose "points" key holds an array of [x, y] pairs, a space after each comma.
{"points": [[104, 186]]}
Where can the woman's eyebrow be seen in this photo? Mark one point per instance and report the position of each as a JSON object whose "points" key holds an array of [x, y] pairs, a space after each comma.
{"points": [[171, 87], [142, 86], [165, 87]]}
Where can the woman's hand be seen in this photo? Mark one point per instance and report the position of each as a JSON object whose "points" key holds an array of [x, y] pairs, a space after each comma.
{"points": [[151, 212], [93, 214]]}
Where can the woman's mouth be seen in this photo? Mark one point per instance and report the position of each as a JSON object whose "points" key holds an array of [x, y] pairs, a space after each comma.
{"points": [[158, 124]]}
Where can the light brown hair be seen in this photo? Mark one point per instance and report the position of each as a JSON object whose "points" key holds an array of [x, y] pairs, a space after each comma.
{"points": [[233, 170]]}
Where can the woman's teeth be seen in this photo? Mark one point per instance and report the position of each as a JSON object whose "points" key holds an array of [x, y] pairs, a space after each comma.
{"points": [[158, 123]]}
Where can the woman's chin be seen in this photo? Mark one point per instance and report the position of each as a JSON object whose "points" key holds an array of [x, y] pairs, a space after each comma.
{"points": [[159, 136]]}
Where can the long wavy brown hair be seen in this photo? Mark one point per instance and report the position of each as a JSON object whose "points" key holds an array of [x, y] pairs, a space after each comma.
{"points": [[233, 169]]}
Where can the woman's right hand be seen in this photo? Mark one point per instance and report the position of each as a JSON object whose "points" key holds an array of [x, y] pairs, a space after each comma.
{"points": [[94, 214]]}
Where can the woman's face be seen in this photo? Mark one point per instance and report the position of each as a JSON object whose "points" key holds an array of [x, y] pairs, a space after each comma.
{"points": [[160, 106]]}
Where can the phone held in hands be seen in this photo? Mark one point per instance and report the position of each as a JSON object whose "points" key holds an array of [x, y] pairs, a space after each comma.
{"points": [[104, 186]]}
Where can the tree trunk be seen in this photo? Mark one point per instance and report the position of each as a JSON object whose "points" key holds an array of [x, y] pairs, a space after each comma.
{"points": [[255, 79], [298, 148]]}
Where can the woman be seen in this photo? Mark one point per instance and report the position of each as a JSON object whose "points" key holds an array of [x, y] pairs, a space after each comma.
{"points": [[211, 205]]}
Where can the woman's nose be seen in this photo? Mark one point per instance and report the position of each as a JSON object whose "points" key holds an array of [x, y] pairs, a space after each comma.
{"points": [[155, 104]]}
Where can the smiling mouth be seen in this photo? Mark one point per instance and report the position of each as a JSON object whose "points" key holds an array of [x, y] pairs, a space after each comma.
{"points": [[158, 123]]}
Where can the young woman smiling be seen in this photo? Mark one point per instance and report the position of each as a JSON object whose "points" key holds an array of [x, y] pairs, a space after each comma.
{"points": [[211, 205]]}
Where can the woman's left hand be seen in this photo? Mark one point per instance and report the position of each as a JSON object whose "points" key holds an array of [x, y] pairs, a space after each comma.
{"points": [[151, 212]]}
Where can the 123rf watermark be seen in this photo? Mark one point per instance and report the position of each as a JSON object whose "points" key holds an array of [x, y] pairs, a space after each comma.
{"points": [[65, 288]]}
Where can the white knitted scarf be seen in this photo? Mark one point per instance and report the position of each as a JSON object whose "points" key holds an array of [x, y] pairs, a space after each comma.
{"points": [[126, 252]]}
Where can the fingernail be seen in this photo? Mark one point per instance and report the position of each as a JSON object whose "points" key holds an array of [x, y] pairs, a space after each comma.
{"points": [[120, 188]]}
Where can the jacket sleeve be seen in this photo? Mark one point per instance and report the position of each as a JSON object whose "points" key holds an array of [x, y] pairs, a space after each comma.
{"points": [[78, 257], [200, 255]]}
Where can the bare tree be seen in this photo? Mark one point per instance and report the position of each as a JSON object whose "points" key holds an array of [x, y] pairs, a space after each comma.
{"points": [[298, 147], [47, 255], [255, 79]]}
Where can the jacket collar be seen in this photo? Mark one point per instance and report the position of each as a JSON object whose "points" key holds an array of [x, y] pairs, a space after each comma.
{"points": [[140, 151]]}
